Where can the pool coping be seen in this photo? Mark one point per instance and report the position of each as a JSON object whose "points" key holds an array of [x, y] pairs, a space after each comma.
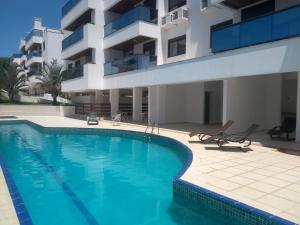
{"points": [[24, 217]]}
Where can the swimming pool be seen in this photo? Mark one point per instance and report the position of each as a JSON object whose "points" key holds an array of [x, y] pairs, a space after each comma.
{"points": [[78, 177]]}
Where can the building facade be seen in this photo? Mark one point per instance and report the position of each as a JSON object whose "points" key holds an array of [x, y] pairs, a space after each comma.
{"points": [[40, 46], [204, 62]]}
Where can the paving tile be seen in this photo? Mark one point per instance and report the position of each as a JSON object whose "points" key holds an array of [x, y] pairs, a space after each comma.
{"points": [[276, 182], [240, 180], [248, 193], [276, 202], [264, 187], [224, 185], [294, 187], [288, 194], [245, 168], [229, 163], [264, 172], [220, 174], [233, 171], [253, 176], [217, 166]]}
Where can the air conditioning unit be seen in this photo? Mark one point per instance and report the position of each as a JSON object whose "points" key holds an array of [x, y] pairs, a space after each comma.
{"points": [[180, 15], [166, 21]]}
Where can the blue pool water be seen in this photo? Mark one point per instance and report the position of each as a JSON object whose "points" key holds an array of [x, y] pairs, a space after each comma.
{"points": [[77, 177]]}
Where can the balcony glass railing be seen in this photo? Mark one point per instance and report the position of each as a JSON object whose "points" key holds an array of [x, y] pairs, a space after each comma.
{"points": [[138, 13], [133, 62], [37, 33], [72, 73], [277, 26], [68, 6], [34, 53], [73, 38], [34, 72]]}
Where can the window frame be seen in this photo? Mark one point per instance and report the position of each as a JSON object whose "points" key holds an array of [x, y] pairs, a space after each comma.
{"points": [[176, 40]]}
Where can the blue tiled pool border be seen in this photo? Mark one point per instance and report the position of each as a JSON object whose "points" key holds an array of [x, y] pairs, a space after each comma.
{"points": [[189, 191], [19, 205]]}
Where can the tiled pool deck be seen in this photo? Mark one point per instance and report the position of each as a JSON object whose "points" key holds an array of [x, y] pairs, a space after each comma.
{"points": [[262, 177]]}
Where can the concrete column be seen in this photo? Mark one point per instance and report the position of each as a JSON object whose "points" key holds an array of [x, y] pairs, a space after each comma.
{"points": [[114, 101], [137, 103], [156, 104], [298, 110]]}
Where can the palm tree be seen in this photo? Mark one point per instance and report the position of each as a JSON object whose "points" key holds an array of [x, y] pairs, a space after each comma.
{"points": [[12, 79], [51, 78]]}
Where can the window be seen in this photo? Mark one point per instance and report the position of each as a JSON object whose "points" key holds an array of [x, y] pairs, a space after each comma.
{"points": [[176, 46], [149, 48], [258, 10], [77, 63], [174, 4], [44, 46], [70, 66]]}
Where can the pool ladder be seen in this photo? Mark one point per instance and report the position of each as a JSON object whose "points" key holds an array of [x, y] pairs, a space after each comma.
{"points": [[152, 126]]}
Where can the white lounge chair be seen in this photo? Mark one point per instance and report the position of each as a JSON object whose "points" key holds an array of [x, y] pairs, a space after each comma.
{"points": [[116, 119], [92, 119]]}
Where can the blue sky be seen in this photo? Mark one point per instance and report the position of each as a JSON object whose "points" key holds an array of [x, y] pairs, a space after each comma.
{"points": [[16, 20]]}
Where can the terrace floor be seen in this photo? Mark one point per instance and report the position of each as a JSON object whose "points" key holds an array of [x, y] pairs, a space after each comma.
{"points": [[267, 178]]}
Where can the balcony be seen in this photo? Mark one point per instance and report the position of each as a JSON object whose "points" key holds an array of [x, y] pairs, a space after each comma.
{"points": [[277, 26], [87, 79], [68, 7], [34, 54], [33, 39], [34, 33], [139, 13], [77, 10], [134, 62], [81, 40], [73, 38], [34, 72], [34, 57], [73, 73]]}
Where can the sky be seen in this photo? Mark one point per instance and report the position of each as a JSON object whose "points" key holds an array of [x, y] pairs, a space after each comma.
{"points": [[16, 20]]}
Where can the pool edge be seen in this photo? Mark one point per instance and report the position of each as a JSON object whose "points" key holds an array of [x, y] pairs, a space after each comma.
{"points": [[21, 211], [177, 181]]}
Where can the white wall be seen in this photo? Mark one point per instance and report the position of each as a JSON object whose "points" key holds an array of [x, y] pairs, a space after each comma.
{"points": [[40, 110], [53, 43], [176, 103], [276, 57], [252, 100]]}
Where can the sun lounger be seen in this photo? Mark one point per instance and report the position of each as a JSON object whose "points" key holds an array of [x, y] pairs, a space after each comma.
{"points": [[287, 127], [92, 119], [237, 138], [204, 135], [116, 119]]}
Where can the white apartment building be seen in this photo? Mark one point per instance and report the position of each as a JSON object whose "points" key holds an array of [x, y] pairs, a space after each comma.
{"points": [[197, 61], [40, 46]]}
